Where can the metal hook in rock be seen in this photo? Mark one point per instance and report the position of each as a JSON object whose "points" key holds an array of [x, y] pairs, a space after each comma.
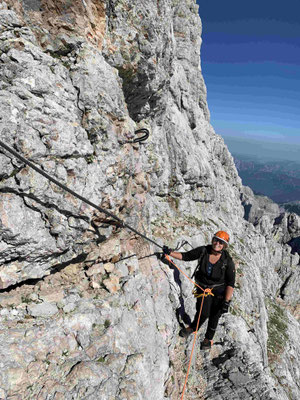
{"points": [[140, 138]]}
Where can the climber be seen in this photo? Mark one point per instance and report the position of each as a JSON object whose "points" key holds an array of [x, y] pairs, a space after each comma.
{"points": [[215, 270]]}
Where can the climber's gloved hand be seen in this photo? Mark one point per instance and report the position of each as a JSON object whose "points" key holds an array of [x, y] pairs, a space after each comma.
{"points": [[225, 307], [166, 250]]}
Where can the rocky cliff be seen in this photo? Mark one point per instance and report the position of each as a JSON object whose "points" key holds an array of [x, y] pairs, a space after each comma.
{"points": [[87, 309]]}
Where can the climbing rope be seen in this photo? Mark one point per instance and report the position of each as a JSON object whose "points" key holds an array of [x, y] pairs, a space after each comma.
{"points": [[180, 270], [56, 182], [206, 292]]}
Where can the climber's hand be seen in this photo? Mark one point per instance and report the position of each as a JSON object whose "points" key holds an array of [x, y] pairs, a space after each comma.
{"points": [[166, 250]]}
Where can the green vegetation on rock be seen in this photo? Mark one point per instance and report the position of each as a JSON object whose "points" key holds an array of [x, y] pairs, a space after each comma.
{"points": [[277, 330]]}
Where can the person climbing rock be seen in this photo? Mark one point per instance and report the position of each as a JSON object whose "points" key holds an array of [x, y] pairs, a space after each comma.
{"points": [[215, 270]]}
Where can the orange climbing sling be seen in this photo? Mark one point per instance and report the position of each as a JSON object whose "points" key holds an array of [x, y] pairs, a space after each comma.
{"points": [[207, 292]]}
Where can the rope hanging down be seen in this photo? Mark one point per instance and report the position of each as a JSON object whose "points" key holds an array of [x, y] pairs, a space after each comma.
{"points": [[206, 292], [40, 171]]}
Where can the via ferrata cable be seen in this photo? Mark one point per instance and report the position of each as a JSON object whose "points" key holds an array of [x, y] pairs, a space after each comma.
{"points": [[56, 182]]}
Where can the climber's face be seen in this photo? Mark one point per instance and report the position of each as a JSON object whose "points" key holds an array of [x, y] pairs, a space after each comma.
{"points": [[217, 245]]}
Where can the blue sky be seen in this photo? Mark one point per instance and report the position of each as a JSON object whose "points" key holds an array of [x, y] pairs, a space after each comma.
{"points": [[250, 59]]}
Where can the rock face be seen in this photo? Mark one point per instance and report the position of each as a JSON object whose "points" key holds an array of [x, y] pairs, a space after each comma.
{"points": [[271, 222], [87, 309]]}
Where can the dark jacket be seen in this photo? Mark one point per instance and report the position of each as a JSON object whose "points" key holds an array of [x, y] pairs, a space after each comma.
{"points": [[223, 271]]}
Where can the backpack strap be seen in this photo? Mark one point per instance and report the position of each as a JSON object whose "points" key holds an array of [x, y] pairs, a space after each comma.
{"points": [[204, 250], [227, 256]]}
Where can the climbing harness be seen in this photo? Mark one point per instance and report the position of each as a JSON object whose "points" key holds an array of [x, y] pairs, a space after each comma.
{"points": [[50, 178], [206, 292], [212, 287], [139, 139]]}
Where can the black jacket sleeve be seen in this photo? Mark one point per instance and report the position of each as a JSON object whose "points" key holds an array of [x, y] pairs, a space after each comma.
{"points": [[193, 254]]}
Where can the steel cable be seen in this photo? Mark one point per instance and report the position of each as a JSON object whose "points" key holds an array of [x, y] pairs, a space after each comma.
{"points": [[56, 182]]}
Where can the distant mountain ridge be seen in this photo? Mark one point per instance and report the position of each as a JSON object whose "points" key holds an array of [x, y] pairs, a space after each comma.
{"points": [[279, 180], [292, 207]]}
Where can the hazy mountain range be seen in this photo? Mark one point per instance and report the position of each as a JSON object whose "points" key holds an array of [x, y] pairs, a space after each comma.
{"points": [[279, 180], [263, 151]]}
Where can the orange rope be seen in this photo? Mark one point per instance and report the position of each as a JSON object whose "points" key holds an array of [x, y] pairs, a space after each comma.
{"points": [[191, 280], [206, 292]]}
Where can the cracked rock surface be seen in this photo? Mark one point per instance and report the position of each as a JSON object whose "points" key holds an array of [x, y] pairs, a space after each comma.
{"points": [[87, 310]]}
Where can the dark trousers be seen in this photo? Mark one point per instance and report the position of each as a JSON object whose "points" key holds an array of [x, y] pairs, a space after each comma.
{"points": [[211, 310]]}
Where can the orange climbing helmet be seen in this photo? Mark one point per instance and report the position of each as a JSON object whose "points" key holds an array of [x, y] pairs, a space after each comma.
{"points": [[222, 235]]}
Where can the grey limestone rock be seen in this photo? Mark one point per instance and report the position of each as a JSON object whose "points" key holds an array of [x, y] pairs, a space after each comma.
{"points": [[43, 310], [88, 310]]}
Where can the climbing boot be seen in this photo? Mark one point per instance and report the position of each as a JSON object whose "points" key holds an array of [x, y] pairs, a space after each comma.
{"points": [[206, 344], [185, 332]]}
